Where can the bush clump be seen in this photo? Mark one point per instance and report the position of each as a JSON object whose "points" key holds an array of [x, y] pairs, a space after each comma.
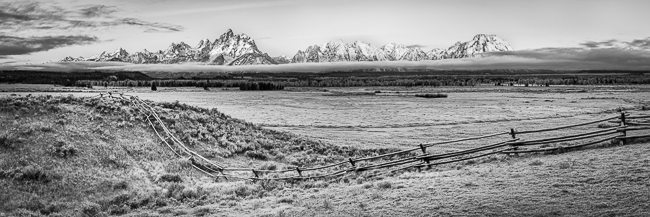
{"points": [[63, 149], [432, 95], [8, 141], [28, 173], [90, 208], [256, 155], [170, 178], [384, 185]]}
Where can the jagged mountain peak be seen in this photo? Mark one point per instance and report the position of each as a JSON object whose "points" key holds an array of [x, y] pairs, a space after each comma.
{"points": [[203, 43], [228, 34], [480, 43], [237, 49]]}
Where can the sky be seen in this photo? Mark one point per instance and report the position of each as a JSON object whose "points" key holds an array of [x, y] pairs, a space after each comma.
{"points": [[48, 30]]}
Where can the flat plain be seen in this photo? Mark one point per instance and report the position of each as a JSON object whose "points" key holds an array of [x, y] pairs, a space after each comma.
{"points": [[374, 117]]}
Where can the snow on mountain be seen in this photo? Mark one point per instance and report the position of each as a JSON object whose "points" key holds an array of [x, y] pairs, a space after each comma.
{"points": [[231, 46], [228, 49], [240, 49], [253, 59], [436, 54], [281, 59], [337, 51], [480, 44]]}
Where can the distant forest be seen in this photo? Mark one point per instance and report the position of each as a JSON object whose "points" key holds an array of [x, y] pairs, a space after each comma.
{"points": [[277, 81]]}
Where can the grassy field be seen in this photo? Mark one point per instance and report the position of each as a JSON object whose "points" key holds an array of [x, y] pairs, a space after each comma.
{"points": [[395, 118], [71, 156], [609, 181]]}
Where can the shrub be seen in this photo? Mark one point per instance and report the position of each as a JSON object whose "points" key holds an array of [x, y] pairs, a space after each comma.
{"points": [[285, 200], [174, 190], [241, 190], [63, 149], [121, 185], [384, 185], [189, 193], [113, 162], [25, 213], [268, 166], [536, 163], [432, 95], [33, 205], [256, 155], [8, 141], [202, 211], [28, 173], [170, 178], [120, 199], [53, 208], [327, 203], [321, 184], [564, 165], [271, 185], [90, 208], [118, 210]]}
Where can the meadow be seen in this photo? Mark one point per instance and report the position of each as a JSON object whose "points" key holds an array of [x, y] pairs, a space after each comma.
{"points": [[74, 154], [392, 117]]}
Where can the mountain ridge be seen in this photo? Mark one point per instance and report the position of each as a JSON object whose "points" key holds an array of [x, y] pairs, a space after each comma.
{"points": [[336, 51], [240, 49]]}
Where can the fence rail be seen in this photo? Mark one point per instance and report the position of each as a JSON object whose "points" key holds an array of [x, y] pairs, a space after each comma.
{"points": [[418, 157]]}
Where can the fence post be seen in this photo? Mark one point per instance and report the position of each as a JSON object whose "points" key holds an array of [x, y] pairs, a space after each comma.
{"points": [[223, 174], [255, 172], [299, 172], [623, 133], [424, 149], [513, 133], [351, 162]]}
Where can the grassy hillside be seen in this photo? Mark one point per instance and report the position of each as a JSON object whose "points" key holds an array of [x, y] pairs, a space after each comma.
{"points": [[71, 156]]}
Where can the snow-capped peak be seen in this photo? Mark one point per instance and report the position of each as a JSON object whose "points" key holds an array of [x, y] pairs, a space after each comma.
{"points": [[481, 43]]}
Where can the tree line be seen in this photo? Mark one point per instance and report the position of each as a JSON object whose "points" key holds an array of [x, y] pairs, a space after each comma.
{"points": [[434, 81]]}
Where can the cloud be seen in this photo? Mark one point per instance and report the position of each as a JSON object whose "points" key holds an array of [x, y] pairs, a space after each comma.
{"points": [[30, 16], [415, 46], [152, 26], [224, 6], [10, 45], [642, 44], [98, 10], [587, 58], [597, 44]]}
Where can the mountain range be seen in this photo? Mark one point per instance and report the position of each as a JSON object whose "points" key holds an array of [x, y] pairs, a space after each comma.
{"points": [[240, 49]]}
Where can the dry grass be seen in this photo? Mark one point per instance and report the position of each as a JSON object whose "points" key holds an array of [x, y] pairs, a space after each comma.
{"points": [[65, 156], [87, 156], [596, 182]]}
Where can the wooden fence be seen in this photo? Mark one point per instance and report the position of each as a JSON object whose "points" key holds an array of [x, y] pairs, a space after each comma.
{"points": [[417, 157]]}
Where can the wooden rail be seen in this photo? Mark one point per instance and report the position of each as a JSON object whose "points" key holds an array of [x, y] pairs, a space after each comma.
{"points": [[419, 157]]}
